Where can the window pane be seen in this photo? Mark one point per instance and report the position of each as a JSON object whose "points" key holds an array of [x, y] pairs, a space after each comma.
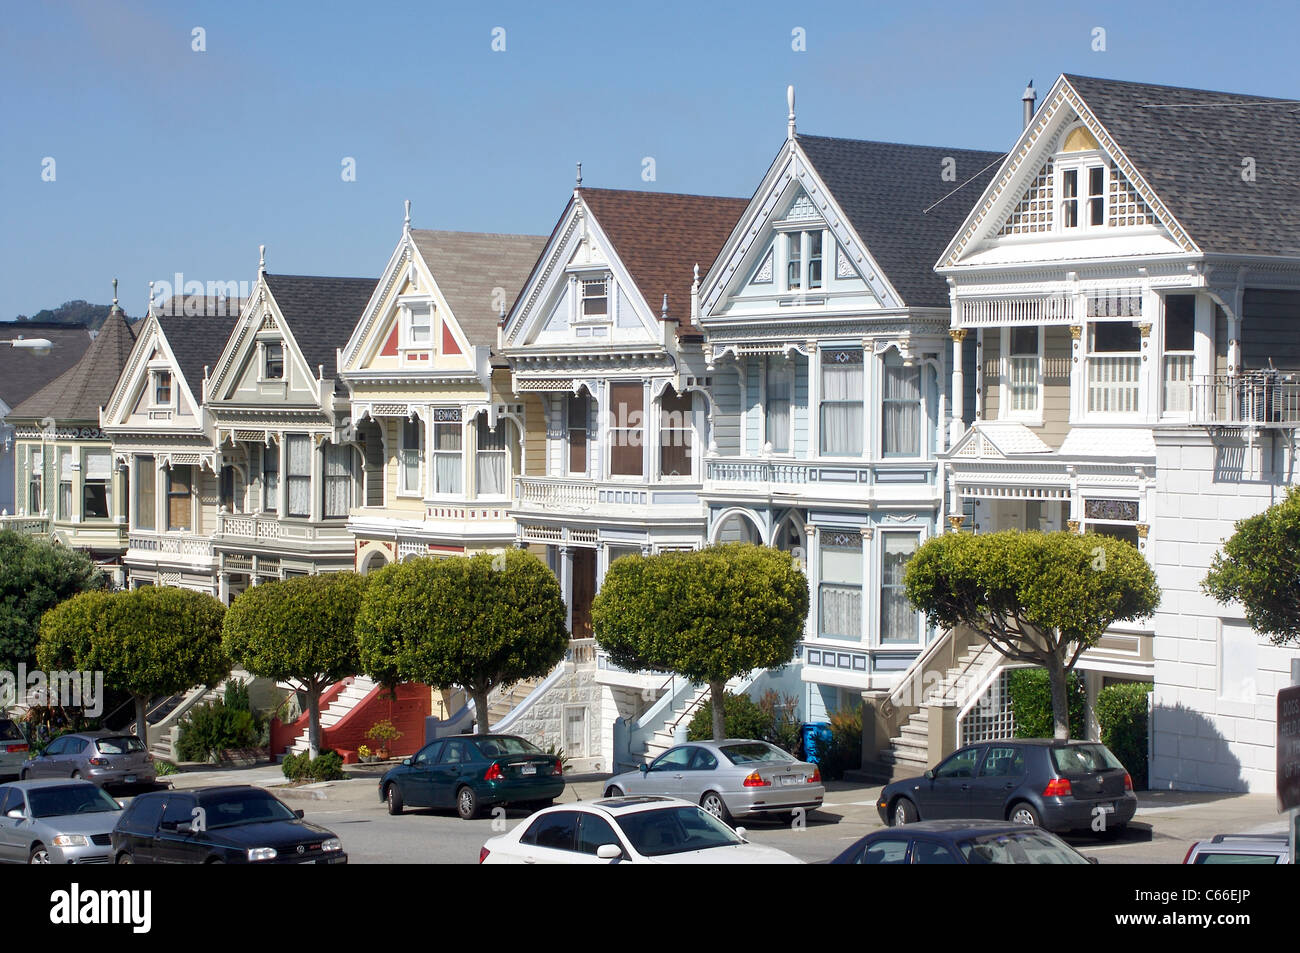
{"points": [[338, 481], [1112, 336], [146, 476], [842, 403], [1024, 341], [179, 515], [627, 429], [274, 361], [840, 591], [675, 434], [898, 620], [298, 466], [778, 405], [902, 409], [271, 478], [492, 465], [579, 412], [814, 259], [1180, 322]]}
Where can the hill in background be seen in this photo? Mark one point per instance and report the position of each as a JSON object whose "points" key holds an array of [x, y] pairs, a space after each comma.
{"points": [[72, 313]]}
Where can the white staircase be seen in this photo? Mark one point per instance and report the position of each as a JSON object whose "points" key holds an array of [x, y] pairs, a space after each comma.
{"points": [[358, 688], [503, 701], [664, 737]]}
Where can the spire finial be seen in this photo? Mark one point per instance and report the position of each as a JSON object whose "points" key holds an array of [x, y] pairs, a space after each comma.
{"points": [[664, 312], [579, 183], [149, 310], [789, 99], [115, 307], [261, 263], [697, 274], [407, 224]]}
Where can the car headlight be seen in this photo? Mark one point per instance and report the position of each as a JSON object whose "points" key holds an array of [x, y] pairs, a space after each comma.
{"points": [[71, 840], [332, 844], [261, 853]]}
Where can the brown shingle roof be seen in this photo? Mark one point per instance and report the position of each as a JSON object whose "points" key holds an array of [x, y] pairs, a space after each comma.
{"points": [[661, 236], [77, 394], [23, 374]]}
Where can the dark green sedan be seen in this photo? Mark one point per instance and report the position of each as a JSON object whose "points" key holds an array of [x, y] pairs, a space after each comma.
{"points": [[474, 772]]}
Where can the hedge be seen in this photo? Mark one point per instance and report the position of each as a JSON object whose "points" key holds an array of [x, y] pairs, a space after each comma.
{"points": [[1031, 703], [1122, 714]]}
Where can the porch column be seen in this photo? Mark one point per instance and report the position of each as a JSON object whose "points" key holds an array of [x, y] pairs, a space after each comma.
{"points": [[814, 396], [958, 336], [223, 588], [566, 585], [813, 561], [979, 374]]}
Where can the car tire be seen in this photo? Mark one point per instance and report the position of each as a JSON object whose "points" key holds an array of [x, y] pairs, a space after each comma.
{"points": [[614, 792], [39, 854], [466, 803], [715, 805], [1022, 812], [124, 858], [393, 795], [903, 812], [22, 775], [76, 775]]}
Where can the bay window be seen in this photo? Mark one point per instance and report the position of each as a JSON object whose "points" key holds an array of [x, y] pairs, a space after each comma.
{"points": [[448, 443], [839, 591], [675, 434], [298, 473], [776, 409], [492, 458], [180, 512], [408, 464], [899, 621], [96, 485], [627, 429], [842, 402], [146, 481], [338, 475], [901, 408]]}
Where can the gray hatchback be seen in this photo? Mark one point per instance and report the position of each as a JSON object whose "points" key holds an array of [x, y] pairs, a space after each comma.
{"points": [[99, 756], [56, 822]]}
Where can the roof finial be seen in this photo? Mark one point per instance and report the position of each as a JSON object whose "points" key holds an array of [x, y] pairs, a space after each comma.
{"points": [[696, 282], [579, 183], [407, 224], [115, 307], [789, 99], [664, 313], [261, 264], [149, 310]]}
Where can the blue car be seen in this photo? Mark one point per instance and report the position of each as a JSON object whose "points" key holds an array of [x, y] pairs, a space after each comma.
{"points": [[962, 842]]}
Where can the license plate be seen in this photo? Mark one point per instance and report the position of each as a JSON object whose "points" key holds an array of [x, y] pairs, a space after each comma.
{"points": [[790, 779], [528, 769], [130, 779], [1105, 808]]}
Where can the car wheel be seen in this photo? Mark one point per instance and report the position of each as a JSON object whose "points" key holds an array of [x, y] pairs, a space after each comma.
{"points": [[214, 860], [904, 813], [76, 775], [713, 803], [394, 798], [613, 792], [467, 803], [1024, 813], [39, 855], [124, 858], [22, 775]]}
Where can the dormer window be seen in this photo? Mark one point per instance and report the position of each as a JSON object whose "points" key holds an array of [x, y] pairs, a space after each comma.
{"points": [[162, 388], [1091, 178], [273, 360], [803, 262], [595, 299], [419, 325]]}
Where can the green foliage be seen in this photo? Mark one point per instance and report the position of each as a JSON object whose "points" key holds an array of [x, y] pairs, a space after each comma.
{"points": [[209, 729], [558, 752], [1122, 714], [36, 575], [165, 768], [382, 732], [844, 753], [1031, 703], [708, 615], [302, 767], [741, 715], [236, 695], [76, 313], [472, 621], [1260, 569]]}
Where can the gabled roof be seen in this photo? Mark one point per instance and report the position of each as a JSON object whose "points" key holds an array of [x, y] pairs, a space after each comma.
{"points": [[197, 342], [661, 236], [321, 313], [1189, 145], [21, 373], [78, 393], [469, 267], [900, 204]]}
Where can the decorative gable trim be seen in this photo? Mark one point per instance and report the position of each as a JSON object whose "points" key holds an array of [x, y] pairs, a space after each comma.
{"points": [[151, 346], [399, 267]]}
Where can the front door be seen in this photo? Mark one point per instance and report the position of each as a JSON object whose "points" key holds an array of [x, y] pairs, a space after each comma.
{"points": [[584, 590]]}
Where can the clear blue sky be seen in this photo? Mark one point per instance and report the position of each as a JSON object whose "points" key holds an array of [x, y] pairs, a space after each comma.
{"points": [[172, 160]]}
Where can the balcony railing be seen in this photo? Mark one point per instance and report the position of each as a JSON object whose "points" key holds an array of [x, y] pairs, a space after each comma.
{"points": [[758, 471], [258, 527], [1254, 397], [175, 544], [28, 525], [553, 493]]}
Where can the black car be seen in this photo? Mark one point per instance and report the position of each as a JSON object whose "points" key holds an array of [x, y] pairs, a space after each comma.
{"points": [[220, 825], [1059, 785], [962, 842]]}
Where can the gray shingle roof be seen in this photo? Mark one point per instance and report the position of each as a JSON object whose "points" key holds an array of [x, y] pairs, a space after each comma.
{"points": [[885, 189], [469, 268], [77, 394], [321, 312], [197, 342], [1192, 157], [22, 373]]}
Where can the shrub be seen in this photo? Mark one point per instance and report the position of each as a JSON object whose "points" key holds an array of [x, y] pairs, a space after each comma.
{"points": [[785, 731], [844, 753], [382, 732], [164, 768], [1122, 715], [742, 717], [302, 767], [1031, 703], [209, 729], [237, 695]]}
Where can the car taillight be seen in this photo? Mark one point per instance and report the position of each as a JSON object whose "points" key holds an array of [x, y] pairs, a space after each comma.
{"points": [[100, 762], [1189, 851], [494, 773], [559, 768], [1128, 782], [482, 854], [1057, 787], [755, 780], [15, 749]]}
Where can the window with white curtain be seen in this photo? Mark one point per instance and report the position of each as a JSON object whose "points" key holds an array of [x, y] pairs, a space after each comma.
{"points": [[1023, 369], [901, 408], [97, 485], [65, 484], [412, 438], [35, 471], [448, 441], [298, 473], [898, 620], [842, 393], [839, 593], [776, 411], [338, 480], [492, 458]]}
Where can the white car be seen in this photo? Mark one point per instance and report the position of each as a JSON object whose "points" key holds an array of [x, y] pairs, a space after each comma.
{"points": [[648, 830]]}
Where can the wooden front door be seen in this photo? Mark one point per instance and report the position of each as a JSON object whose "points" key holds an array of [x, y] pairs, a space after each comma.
{"points": [[584, 590]]}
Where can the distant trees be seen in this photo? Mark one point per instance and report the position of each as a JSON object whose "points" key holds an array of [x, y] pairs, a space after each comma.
{"points": [[76, 313], [1259, 568], [36, 575], [709, 615]]}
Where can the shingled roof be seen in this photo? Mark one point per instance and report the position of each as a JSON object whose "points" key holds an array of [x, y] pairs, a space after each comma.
{"points": [[662, 236], [470, 267], [197, 342], [901, 205], [21, 373], [321, 312], [1189, 145], [77, 394]]}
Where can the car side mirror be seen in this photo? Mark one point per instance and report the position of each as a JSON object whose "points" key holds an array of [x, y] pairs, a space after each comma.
{"points": [[645, 768], [16, 814], [742, 834], [406, 762], [299, 813], [929, 773], [609, 852]]}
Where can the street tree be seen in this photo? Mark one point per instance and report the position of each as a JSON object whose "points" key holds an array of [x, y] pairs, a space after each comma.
{"points": [[1259, 568], [1041, 598], [300, 630], [709, 615], [156, 640], [471, 622], [36, 575]]}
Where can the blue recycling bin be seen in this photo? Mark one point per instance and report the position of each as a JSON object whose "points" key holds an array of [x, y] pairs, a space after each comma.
{"points": [[816, 739]]}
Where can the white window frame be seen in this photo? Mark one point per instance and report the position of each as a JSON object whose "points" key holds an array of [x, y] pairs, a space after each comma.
{"points": [[1164, 353], [107, 482], [923, 428], [403, 489], [569, 428], [799, 235], [435, 454], [262, 346], [1006, 411], [409, 309], [784, 368], [1089, 354], [155, 375], [691, 426], [864, 602], [1080, 163], [878, 551], [581, 280]]}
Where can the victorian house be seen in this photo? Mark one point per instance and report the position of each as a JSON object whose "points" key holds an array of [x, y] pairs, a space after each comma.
{"points": [[441, 432], [827, 353], [1124, 294], [66, 483], [288, 464]]}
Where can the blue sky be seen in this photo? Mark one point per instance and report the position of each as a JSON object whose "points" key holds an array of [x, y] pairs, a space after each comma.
{"points": [[167, 159]]}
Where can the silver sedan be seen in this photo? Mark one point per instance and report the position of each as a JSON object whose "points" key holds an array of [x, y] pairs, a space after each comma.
{"points": [[56, 822], [729, 778]]}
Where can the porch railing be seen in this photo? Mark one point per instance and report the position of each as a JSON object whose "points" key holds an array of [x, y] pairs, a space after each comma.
{"points": [[1254, 397]]}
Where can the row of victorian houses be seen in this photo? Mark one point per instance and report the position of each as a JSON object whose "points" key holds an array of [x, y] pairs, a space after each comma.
{"points": [[1094, 331]]}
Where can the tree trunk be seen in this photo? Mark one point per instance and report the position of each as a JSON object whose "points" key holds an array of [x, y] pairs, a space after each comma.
{"points": [[141, 721], [313, 723], [1058, 678], [481, 726], [717, 697]]}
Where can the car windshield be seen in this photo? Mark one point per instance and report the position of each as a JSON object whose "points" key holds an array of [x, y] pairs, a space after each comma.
{"points": [[243, 807], [496, 747], [1020, 847], [674, 830], [754, 751], [1237, 859], [69, 799], [1084, 759], [127, 744], [9, 731]]}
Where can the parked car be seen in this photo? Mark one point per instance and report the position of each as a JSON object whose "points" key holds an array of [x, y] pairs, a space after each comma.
{"points": [[1059, 785], [13, 748], [56, 822], [647, 830], [962, 842], [236, 824], [736, 777], [1240, 849], [472, 772], [103, 757]]}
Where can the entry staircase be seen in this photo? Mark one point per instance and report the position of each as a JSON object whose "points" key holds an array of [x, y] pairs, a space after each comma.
{"points": [[358, 689]]}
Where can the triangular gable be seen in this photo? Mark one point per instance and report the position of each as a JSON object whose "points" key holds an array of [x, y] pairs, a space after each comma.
{"points": [[238, 374], [131, 395], [997, 440]]}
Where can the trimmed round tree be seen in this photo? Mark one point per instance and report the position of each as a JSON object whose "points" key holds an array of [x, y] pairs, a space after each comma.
{"points": [[472, 622], [1259, 568], [36, 575], [300, 630], [709, 615], [1041, 598], [157, 640]]}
